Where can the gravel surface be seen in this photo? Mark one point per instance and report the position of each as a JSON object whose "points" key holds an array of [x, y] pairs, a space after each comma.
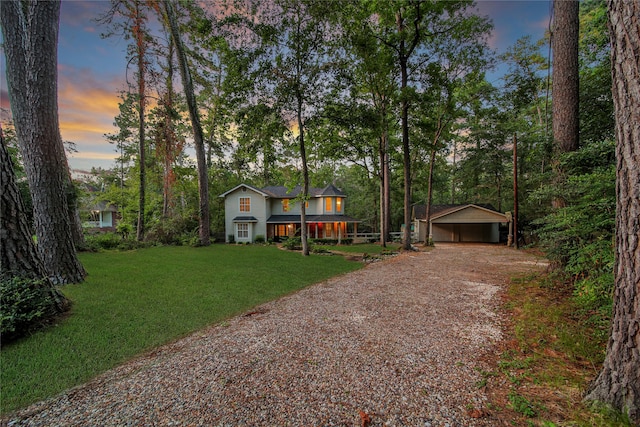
{"points": [[398, 343]]}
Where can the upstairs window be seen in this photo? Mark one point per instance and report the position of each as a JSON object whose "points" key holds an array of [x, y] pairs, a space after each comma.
{"points": [[328, 206], [338, 204], [285, 205], [245, 204]]}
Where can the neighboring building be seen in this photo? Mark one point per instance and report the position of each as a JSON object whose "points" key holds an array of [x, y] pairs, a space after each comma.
{"points": [[101, 217], [459, 223], [273, 212]]}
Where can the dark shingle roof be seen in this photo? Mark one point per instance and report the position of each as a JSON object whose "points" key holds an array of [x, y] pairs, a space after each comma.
{"points": [[280, 191], [331, 190]]}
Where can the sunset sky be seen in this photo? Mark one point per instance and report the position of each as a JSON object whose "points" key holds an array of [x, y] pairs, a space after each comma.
{"points": [[92, 70]]}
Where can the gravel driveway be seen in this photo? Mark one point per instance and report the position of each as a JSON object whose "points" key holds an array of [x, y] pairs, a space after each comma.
{"points": [[398, 343]]}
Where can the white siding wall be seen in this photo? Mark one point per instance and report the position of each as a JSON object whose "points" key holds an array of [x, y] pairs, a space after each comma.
{"points": [[277, 207], [315, 206], [259, 210]]}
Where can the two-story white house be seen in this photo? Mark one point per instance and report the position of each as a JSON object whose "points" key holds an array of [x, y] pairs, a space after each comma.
{"points": [[273, 212]]}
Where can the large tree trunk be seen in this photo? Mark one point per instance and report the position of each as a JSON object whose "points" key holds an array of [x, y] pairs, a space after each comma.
{"points": [[565, 83], [141, 53], [619, 381], [565, 86], [19, 256], [198, 138], [403, 58], [30, 41], [169, 139]]}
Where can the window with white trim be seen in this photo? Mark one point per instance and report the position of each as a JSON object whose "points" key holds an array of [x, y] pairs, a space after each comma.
{"points": [[242, 231]]}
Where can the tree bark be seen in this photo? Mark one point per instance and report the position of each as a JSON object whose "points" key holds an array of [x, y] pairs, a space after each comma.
{"points": [[140, 53], [30, 41], [305, 180], [198, 138], [565, 87], [565, 82], [385, 193], [403, 58], [169, 139], [618, 383], [18, 254]]}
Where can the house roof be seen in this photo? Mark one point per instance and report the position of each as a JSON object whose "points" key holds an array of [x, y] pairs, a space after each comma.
{"points": [[250, 187], [289, 219], [282, 192], [331, 190], [487, 214], [420, 211]]}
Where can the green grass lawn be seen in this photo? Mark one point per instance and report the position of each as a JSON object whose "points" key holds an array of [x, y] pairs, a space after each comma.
{"points": [[134, 301]]}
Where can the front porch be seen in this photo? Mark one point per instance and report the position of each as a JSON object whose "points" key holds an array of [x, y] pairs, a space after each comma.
{"points": [[338, 227]]}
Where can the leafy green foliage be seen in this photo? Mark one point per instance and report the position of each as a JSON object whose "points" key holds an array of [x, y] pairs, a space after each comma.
{"points": [[102, 241], [331, 241], [178, 230], [293, 244], [579, 238], [521, 404], [24, 303]]}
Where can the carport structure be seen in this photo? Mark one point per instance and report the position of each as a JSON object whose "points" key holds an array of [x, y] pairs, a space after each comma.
{"points": [[460, 223]]}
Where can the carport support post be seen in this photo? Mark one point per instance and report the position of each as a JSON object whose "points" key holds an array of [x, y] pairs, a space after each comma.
{"points": [[515, 191]]}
